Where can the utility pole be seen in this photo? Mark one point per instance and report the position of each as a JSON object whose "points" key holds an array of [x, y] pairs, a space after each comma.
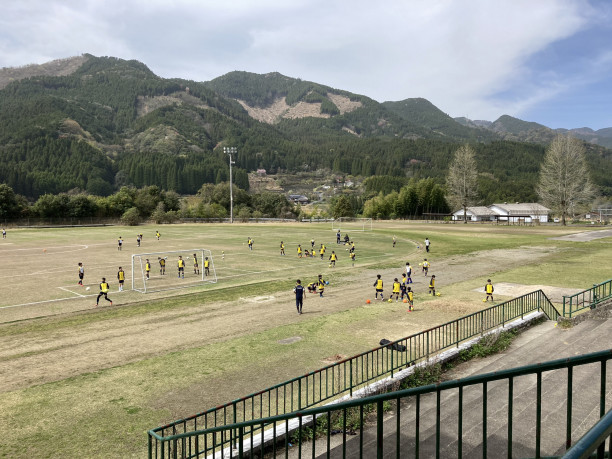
{"points": [[231, 151]]}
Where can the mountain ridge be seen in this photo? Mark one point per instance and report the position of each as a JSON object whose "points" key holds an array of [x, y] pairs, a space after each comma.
{"points": [[139, 129]]}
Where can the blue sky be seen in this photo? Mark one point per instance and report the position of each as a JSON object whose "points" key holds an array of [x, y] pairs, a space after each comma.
{"points": [[548, 61]]}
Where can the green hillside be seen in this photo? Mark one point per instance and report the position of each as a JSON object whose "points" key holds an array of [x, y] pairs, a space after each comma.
{"points": [[111, 122], [424, 113]]}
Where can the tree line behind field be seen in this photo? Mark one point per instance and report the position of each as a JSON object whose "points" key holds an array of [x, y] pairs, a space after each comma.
{"points": [[133, 205]]}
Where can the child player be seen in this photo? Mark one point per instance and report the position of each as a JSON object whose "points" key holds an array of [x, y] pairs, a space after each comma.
{"points": [[403, 285], [148, 268], [299, 251], [196, 266], [162, 266], [432, 285], [157, 235], [81, 274], [332, 259], [206, 266], [396, 290], [408, 273], [425, 265], [353, 258], [410, 299], [321, 285], [378, 284], [119, 243], [121, 278], [282, 247], [489, 290], [104, 288], [181, 267], [250, 242]]}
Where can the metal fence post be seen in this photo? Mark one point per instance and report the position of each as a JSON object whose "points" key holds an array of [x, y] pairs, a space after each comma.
{"points": [[351, 376], [379, 429]]}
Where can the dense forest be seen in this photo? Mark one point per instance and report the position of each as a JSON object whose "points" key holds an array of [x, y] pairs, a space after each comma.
{"points": [[113, 124]]}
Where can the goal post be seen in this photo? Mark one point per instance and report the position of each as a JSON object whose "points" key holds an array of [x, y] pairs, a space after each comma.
{"points": [[352, 224], [164, 274]]}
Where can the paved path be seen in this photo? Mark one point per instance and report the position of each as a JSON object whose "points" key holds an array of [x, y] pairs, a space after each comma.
{"points": [[586, 236], [538, 344]]}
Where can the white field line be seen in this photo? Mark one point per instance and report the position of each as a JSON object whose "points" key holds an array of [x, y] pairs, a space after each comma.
{"points": [[70, 291]]}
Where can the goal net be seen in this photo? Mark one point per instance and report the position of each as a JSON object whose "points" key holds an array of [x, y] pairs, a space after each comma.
{"points": [[159, 271], [352, 224]]}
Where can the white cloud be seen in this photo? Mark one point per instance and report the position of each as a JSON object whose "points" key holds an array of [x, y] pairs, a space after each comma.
{"points": [[461, 55]]}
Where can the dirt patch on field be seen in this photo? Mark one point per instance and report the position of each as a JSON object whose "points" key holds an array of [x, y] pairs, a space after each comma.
{"points": [[43, 356], [334, 359]]}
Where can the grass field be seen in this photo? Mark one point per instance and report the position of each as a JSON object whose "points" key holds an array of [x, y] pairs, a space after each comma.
{"points": [[81, 381]]}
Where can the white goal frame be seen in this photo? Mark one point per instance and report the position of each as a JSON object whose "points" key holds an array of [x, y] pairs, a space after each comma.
{"points": [[352, 224], [139, 273]]}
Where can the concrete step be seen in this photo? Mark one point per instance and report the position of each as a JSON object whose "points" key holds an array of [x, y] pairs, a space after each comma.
{"points": [[537, 344]]}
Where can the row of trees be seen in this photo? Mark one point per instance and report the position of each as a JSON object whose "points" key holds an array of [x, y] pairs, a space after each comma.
{"points": [[564, 181], [134, 205]]}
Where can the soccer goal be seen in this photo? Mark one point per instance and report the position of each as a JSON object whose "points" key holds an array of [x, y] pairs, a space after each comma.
{"points": [[163, 271], [352, 224]]}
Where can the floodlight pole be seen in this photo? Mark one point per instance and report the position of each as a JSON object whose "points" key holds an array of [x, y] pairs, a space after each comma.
{"points": [[231, 151]]}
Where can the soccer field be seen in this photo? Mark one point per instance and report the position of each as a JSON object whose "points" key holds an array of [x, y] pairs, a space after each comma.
{"points": [[39, 273], [81, 381]]}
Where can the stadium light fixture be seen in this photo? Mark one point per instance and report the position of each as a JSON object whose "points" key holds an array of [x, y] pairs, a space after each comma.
{"points": [[231, 151]]}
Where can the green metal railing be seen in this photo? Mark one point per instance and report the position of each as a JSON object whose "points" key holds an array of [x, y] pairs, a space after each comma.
{"points": [[594, 441], [587, 299], [343, 377], [421, 434]]}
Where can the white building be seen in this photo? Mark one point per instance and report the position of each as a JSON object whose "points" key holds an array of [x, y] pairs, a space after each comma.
{"points": [[475, 214], [527, 212]]}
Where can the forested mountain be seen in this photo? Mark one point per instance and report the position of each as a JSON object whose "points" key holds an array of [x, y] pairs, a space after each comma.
{"points": [[100, 123], [426, 114], [510, 128]]}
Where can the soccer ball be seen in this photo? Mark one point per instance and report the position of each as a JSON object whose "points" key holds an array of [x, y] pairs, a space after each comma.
{"points": [[484, 300], [368, 301], [326, 282], [405, 300], [390, 300], [437, 294], [87, 288]]}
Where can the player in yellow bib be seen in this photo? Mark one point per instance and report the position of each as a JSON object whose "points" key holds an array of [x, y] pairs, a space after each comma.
{"points": [[410, 299], [489, 290], [104, 288], [206, 266], [147, 268], [121, 278], [299, 251], [282, 248], [162, 266], [332, 259], [321, 285], [196, 266], [432, 285], [425, 266], [181, 267], [396, 289], [378, 285]]}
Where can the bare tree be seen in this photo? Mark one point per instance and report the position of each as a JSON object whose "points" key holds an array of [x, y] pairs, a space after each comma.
{"points": [[462, 180], [564, 177]]}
